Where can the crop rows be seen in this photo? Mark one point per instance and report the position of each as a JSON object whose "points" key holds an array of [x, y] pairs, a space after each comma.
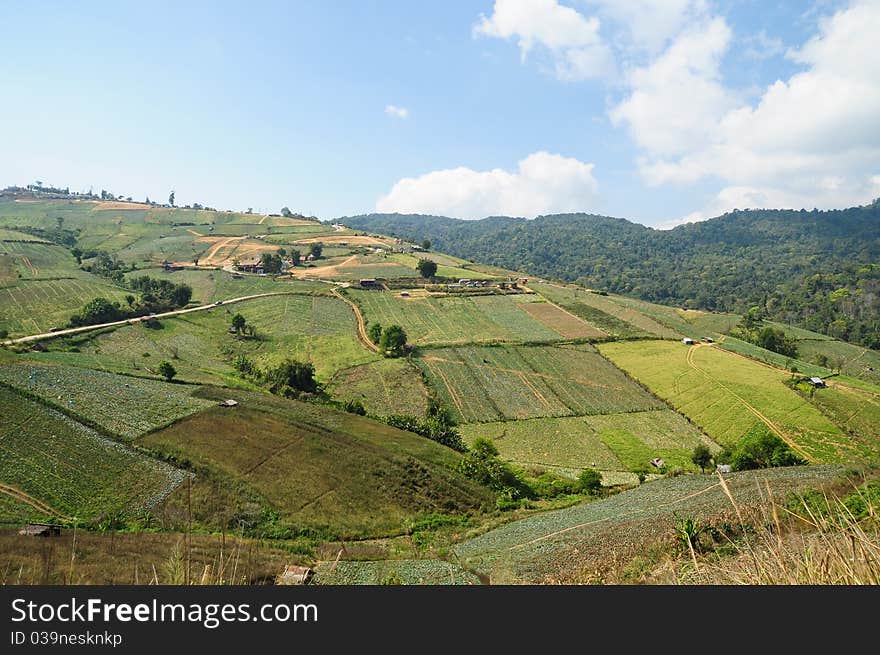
{"points": [[727, 396], [410, 572], [60, 462], [123, 405], [485, 384], [448, 320]]}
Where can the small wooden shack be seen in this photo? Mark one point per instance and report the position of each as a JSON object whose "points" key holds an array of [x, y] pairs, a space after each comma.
{"points": [[40, 530], [293, 574], [818, 383], [688, 341], [228, 403]]}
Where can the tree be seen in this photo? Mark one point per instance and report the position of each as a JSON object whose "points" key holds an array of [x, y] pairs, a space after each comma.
{"points": [[238, 322], [374, 332], [426, 244], [291, 377], [427, 268], [762, 449], [271, 262], [77, 253], [171, 199], [701, 456], [295, 257], [129, 299], [316, 249], [285, 211], [167, 371], [393, 341], [590, 480]]}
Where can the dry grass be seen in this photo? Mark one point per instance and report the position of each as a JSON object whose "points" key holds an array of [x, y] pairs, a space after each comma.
{"points": [[817, 540]]}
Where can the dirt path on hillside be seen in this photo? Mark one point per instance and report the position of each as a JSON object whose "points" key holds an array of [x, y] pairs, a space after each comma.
{"points": [[323, 270], [38, 505], [192, 231], [211, 254], [33, 269], [778, 431], [362, 327], [132, 321]]}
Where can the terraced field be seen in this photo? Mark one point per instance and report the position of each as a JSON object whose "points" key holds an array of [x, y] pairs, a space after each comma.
{"points": [[610, 443], [320, 330], [59, 467], [388, 386], [126, 406], [322, 469], [727, 396], [35, 306], [572, 545], [484, 384], [561, 321], [435, 320], [773, 359], [602, 313], [857, 411]]}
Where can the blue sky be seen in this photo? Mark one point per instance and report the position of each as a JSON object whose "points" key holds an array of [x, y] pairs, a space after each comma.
{"points": [[654, 110]]}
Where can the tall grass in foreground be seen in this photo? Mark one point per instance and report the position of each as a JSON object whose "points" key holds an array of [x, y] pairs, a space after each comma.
{"points": [[814, 539]]}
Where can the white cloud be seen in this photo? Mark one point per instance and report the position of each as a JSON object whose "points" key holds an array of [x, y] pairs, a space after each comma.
{"points": [[571, 39], [397, 112], [812, 140], [761, 46], [648, 25], [677, 100], [543, 183]]}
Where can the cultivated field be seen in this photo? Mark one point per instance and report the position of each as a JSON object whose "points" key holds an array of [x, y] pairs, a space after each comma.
{"points": [[437, 320], [727, 396], [122, 405], [773, 359], [61, 468], [34, 306], [388, 386], [606, 442], [321, 469], [561, 321], [483, 384]]}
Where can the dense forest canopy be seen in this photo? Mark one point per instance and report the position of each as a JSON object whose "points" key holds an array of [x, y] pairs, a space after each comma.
{"points": [[816, 269]]}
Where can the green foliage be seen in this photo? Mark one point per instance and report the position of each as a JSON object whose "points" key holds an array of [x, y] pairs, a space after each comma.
{"points": [[482, 465], [316, 249], [271, 262], [291, 377], [701, 456], [374, 332], [426, 244], [437, 428], [238, 322], [393, 341], [762, 449], [590, 481], [99, 310], [166, 370], [427, 268], [354, 407]]}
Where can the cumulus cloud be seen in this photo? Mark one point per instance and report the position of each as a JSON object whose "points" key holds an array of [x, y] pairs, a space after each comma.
{"points": [[571, 39], [543, 183], [677, 100], [648, 25], [397, 112], [810, 140]]}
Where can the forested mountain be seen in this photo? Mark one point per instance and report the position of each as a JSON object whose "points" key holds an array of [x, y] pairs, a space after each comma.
{"points": [[818, 269]]}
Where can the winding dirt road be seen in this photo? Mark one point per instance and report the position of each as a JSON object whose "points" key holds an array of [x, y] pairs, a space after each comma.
{"points": [[362, 327]]}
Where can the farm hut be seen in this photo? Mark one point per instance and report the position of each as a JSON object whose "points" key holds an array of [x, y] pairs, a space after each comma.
{"points": [[708, 339], [818, 383], [723, 468], [688, 341], [40, 530], [368, 282], [404, 294], [293, 574], [228, 403], [658, 462]]}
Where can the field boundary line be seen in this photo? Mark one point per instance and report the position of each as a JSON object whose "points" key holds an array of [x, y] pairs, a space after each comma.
{"points": [[361, 325], [21, 496]]}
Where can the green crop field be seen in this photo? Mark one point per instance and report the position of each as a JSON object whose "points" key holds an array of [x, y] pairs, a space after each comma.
{"points": [[56, 461], [123, 405], [388, 386], [849, 359], [727, 396], [773, 359], [402, 571], [320, 330], [34, 306], [320, 468], [482, 384], [446, 319], [606, 442], [41, 260], [446, 268], [553, 546], [857, 411]]}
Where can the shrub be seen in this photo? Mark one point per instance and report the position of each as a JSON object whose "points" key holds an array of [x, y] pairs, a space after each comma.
{"points": [[590, 481]]}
